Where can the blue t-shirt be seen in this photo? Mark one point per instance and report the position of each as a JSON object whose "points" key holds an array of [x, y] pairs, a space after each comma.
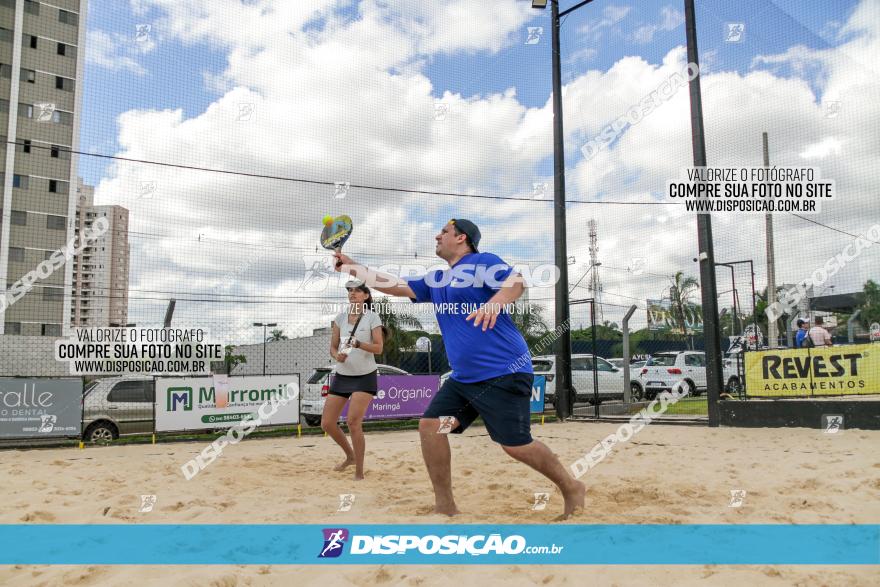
{"points": [[456, 292], [799, 339]]}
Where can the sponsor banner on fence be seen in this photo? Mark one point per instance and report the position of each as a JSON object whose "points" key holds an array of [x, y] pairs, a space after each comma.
{"points": [[401, 396], [194, 403], [37, 408], [662, 316], [837, 370], [539, 391]]}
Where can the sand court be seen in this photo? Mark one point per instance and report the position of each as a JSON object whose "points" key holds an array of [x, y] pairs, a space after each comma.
{"points": [[665, 475]]}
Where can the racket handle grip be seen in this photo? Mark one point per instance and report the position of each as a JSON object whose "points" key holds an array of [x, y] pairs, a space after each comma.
{"points": [[338, 263]]}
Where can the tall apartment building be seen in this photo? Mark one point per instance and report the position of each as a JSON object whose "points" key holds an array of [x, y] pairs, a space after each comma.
{"points": [[100, 272], [41, 64]]}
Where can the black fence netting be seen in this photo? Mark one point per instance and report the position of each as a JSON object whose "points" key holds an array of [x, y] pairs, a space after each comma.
{"points": [[172, 167]]}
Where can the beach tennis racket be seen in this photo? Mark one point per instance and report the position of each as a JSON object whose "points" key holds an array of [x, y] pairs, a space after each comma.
{"points": [[336, 231]]}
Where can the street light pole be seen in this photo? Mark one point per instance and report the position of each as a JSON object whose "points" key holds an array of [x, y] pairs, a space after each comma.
{"points": [[265, 326], [564, 407], [711, 330], [772, 331]]}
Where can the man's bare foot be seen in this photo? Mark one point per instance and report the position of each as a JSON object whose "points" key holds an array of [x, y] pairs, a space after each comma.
{"points": [[575, 496], [358, 476], [448, 510], [346, 463]]}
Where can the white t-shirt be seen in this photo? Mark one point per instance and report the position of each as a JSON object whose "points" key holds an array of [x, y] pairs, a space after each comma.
{"points": [[359, 361], [819, 335]]}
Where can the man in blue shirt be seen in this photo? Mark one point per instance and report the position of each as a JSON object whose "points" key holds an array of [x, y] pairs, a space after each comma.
{"points": [[803, 328], [491, 366]]}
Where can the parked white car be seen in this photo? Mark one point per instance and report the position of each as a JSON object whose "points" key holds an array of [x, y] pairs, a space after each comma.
{"points": [[634, 368], [733, 373], [318, 386], [610, 377], [664, 371]]}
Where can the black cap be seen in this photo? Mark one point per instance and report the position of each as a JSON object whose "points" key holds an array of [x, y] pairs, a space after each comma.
{"points": [[469, 229]]}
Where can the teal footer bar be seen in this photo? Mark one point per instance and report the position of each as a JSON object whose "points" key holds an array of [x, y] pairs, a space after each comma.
{"points": [[280, 544]]}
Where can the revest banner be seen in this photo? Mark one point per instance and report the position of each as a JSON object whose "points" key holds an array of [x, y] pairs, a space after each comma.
{"points": [[837, 370], [195, 403], [38, 408]]}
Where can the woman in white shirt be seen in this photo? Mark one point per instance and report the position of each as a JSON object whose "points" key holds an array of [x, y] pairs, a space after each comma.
{"points": [[355, 373]]}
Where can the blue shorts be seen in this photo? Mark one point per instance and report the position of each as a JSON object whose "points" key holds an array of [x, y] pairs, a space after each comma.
{"points": [[502, 402]]}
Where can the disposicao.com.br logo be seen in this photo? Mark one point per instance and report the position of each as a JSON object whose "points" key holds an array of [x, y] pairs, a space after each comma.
{"points": [[334, 540]]}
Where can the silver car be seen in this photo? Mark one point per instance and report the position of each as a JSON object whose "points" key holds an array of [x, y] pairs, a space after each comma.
{"points": [[116, 406]]}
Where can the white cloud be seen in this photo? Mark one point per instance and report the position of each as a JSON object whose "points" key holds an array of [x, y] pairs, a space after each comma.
{"points": [[109, 51], [582, 54], [611, 15], [671, 19], [824, 148]]}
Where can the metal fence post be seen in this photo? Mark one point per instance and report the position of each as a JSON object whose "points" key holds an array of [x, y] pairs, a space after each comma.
{"points": [[850, 326], [627, 389], [595, 359]]}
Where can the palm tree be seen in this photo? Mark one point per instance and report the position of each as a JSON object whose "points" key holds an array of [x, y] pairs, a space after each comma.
{"points": [[232, 361], [397, 328], [277, 335], [529, 319], [760, 313], [680, 293]]}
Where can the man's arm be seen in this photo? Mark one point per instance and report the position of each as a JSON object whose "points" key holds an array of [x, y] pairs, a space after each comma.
{"points": [[511, 290], [383, 282]]}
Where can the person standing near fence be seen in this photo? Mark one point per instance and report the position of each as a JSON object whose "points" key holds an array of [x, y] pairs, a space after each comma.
{"points": [[356, 338], [491, 366], [818, 334], [803, 327]]}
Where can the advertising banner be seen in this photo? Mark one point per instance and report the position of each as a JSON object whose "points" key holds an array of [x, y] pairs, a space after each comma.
{"points": [[193, 403], [837, 370], [401, 396], [38, 408], [662, 318], [539, 389]]}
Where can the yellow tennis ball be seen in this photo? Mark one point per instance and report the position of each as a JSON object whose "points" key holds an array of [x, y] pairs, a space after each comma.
{"points": [[327, 220]]}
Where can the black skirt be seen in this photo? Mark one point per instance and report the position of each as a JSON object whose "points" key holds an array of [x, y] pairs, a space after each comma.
{"points": [[345, 385]]}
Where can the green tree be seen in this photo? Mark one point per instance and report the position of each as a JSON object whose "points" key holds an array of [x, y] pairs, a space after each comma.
{"points": [[529, 319], [231, 360], [760, 314], [605, 331], [681, 291], [399, 331], [870, 307], [277, 335]]}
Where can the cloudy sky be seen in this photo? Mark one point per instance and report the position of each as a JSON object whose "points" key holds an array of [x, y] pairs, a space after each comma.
{"points": [[256, 108]]}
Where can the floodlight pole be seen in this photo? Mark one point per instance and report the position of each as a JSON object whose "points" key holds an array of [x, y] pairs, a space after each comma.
{"points": [[565, 399], [711, 330]]}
